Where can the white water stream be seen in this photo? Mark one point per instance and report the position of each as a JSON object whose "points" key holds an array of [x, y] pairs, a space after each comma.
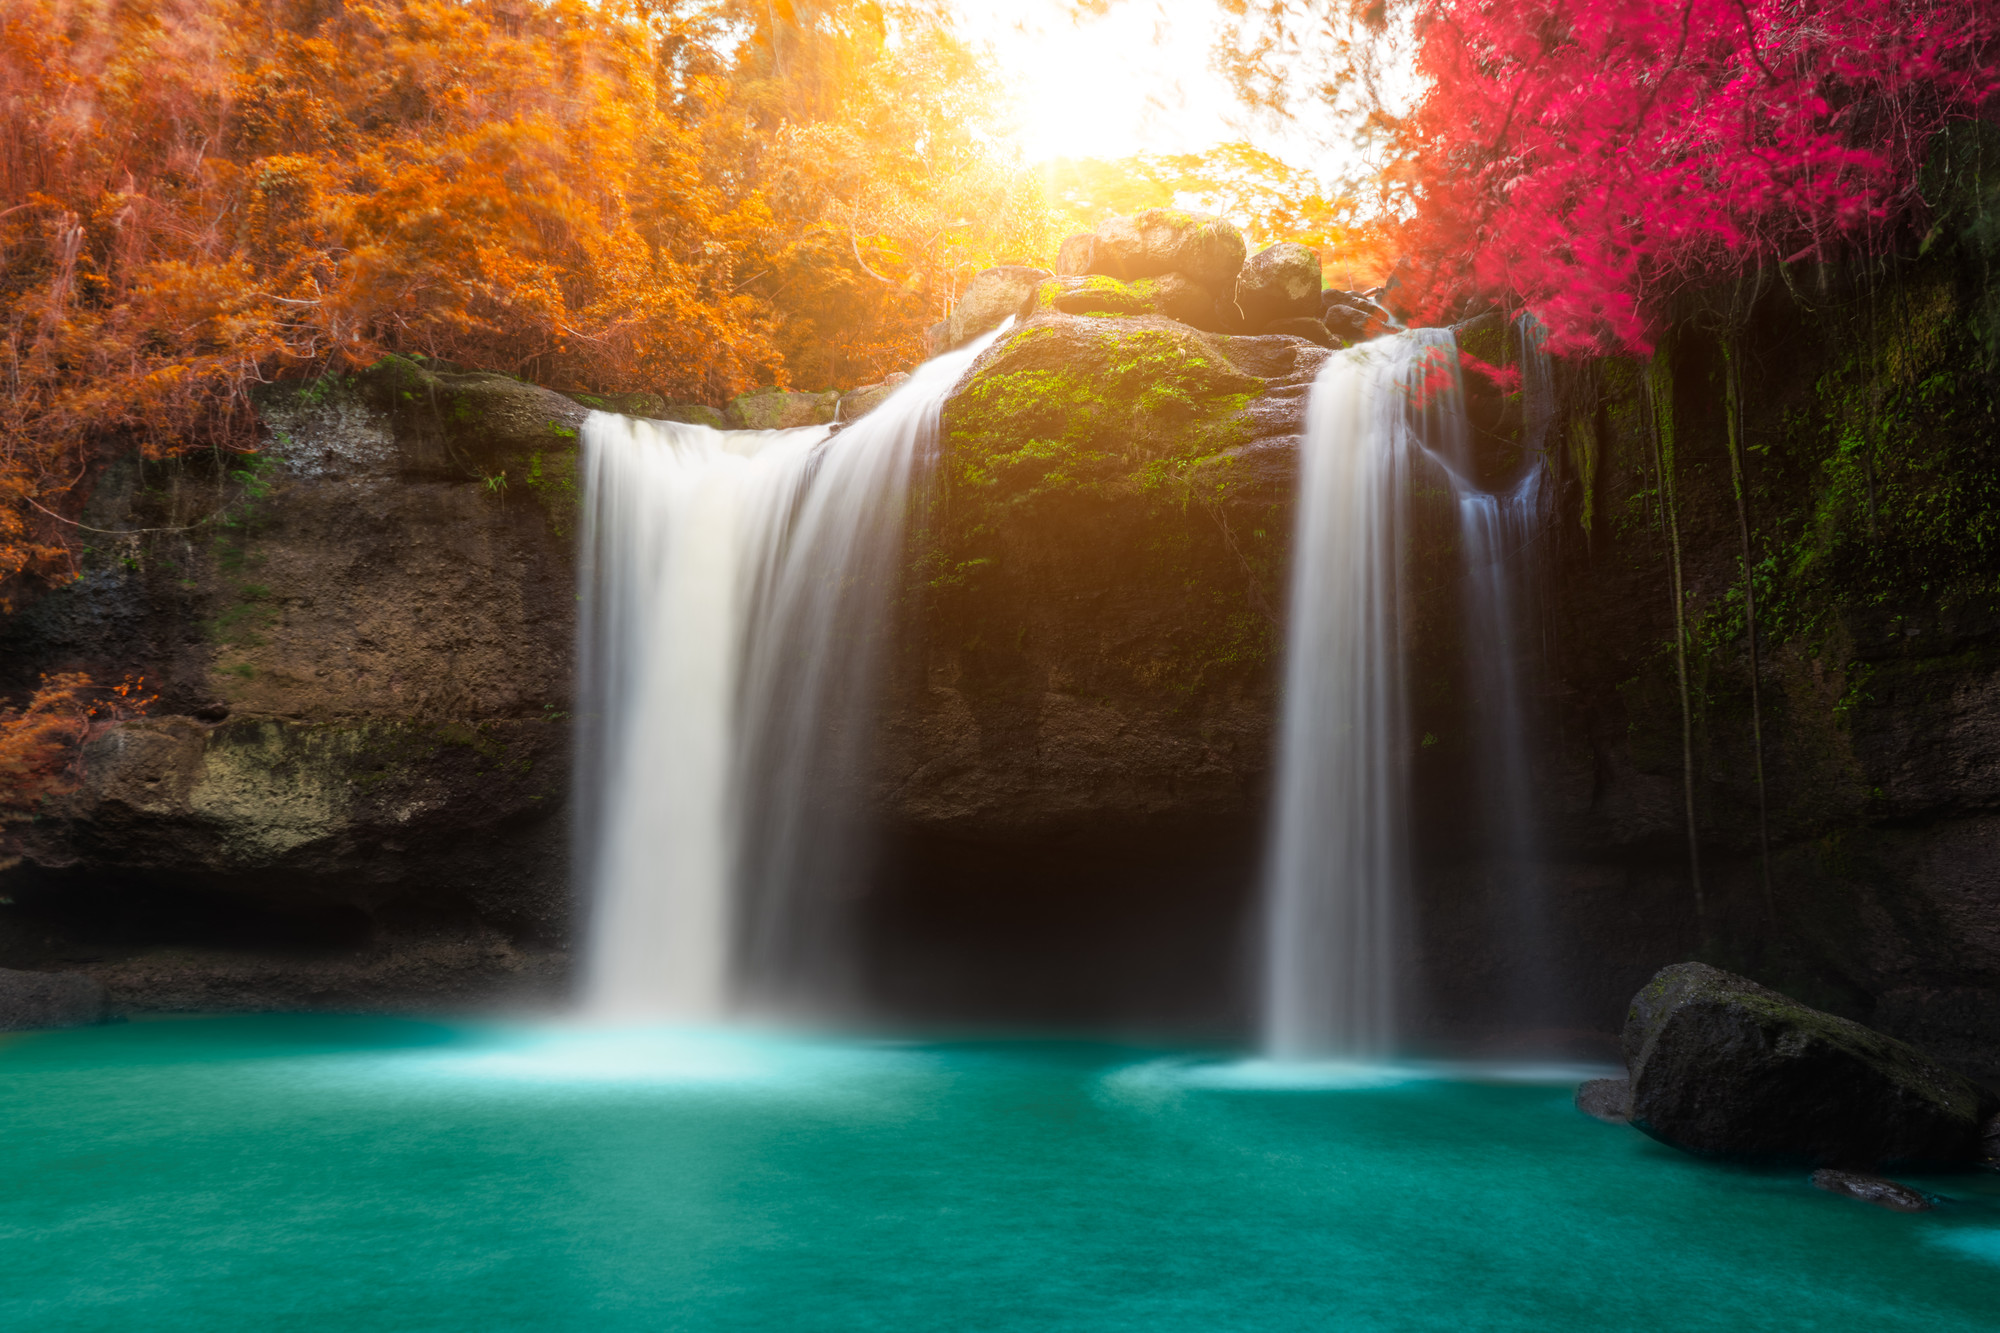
{"points": [[1338, 863], [735, 590]]}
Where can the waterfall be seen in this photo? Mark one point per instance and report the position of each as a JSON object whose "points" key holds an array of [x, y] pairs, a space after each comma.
{"points": [[1337, 862], [735, 589]]}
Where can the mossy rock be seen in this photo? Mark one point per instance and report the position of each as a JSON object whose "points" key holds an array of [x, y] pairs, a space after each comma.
{"points": [[467, 426], [627, 404], [1169, 296], [1725, 1067], [780, 409], [1081, 404], [694, 414], [1102, 485]]}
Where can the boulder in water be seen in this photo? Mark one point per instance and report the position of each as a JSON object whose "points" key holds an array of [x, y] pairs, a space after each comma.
{"points": [[1890, 1194], [991, 296], [1280, 282], [780, 409], [1157, 241], [1723, 1066], [48, 1000], [1606, 1099]]}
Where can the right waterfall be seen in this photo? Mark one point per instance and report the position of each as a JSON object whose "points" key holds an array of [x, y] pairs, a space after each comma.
{"points": [[1336, 925]]}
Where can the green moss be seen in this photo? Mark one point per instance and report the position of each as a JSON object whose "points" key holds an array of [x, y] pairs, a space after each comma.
{"points": [[1133, 412], [1076, 437], [551, 478]]}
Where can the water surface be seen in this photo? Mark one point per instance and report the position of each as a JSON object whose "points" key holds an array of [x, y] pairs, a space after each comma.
{"points": [[326, 1173]]}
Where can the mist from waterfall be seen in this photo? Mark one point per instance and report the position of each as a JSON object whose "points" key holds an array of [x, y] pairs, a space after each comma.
{"points": [[736, 587], [1338, 861]]}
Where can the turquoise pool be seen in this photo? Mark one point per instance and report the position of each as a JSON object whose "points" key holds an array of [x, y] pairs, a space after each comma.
{"points": [[328, 1173]]}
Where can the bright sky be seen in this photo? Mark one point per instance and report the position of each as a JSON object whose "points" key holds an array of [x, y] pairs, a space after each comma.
{"points": [[1134, 80]]}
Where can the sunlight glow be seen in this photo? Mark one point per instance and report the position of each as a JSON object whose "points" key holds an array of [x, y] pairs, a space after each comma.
{"points": [[1135, 80]]}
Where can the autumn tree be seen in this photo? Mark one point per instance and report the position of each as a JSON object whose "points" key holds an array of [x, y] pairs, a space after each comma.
{"points": [[1591, 158], [692, 198]]}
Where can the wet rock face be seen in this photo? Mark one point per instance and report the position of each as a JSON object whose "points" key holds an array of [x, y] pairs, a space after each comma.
{"points": [[359, 755], [1722, 1066], [31, 1000], [1092, 617]]}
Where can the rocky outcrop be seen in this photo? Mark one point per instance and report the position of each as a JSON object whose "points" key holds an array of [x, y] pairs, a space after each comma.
{"points": [[359, 758], [49, 1000], [1722, 1066]]}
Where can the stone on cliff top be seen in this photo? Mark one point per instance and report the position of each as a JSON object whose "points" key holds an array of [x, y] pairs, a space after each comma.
{"points": [[629, 404], [991, 296], [1170, 296], [1167, 240], [780, 409], [464, 426], [48, 1000], [693, 414], [1302, 326], [1351, 324], [856, 403], [1723, 1066], [1280, 282], [1077, 255]]}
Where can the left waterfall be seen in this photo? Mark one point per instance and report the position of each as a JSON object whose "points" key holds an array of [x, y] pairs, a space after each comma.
{"points": [[736, 587]]}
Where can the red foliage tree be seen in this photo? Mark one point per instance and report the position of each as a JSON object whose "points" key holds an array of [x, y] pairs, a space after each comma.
{"points": [[1589, 158]]}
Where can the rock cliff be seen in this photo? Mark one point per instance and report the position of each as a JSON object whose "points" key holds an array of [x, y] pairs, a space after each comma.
{"points": [[352, 789]]}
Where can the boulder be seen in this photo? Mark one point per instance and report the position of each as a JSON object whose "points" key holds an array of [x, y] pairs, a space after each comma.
{"points": [[857, 403], [1172, 296], [1723, 1066], [48, 1000], [780, 409], [992, 296], [1302, 326], [628, 404], [934, 338], [1166, 240], [1077, 255], [1606, 1099], [1897, 1198], [1280, 282]]}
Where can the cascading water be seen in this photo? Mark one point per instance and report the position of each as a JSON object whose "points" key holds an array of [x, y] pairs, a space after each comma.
{"points": [[1337, 862], [735, 588]]}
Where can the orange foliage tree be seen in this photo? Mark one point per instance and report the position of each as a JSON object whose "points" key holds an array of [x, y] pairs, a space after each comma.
{"points": [[41, 745], [200, 195]]}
